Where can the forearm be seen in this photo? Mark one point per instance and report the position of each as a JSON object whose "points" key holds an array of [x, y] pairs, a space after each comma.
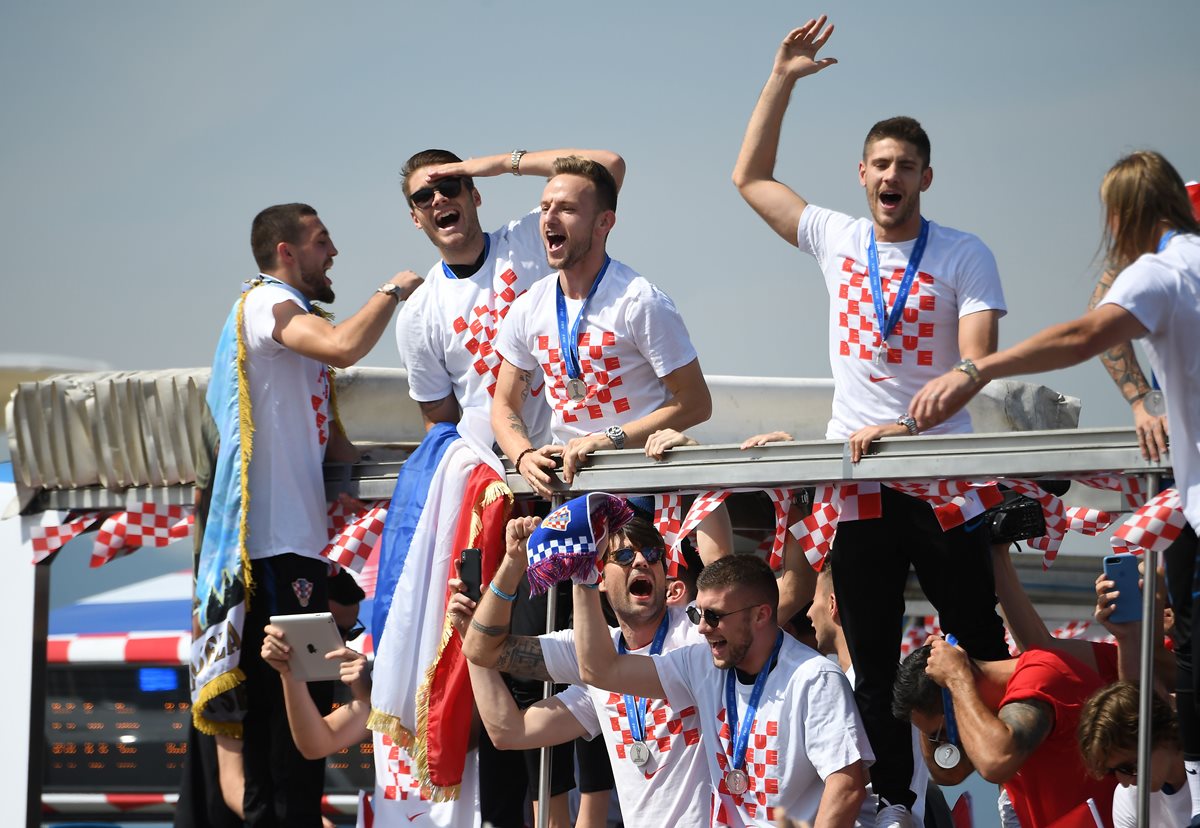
{"points": [[842, 799], [512, 389], [541, 163], [1027, 628], [985, 738], [593, 643], [488, 630], [310, 732], [1062, 345], [760, 145], [690, 404]]}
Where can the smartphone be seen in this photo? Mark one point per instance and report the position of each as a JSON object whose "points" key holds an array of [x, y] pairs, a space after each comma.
{"points": [[1122, 570], [470, 572]]}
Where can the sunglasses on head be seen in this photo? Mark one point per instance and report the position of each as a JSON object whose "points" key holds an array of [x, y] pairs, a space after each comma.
{"points": [[448, 187], [624, 555], [712, 617]]}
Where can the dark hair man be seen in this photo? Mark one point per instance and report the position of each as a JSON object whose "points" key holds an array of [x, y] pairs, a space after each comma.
{"points": [[270, 397], [613, 351], [778, 726], [909, 299]]}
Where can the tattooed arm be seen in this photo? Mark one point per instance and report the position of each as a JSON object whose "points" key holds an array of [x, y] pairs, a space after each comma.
{"points": [[536, 465], [1121, 362], [445, 410]]}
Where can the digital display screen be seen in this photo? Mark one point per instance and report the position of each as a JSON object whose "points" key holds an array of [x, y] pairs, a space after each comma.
{"points": [[123, 728]]}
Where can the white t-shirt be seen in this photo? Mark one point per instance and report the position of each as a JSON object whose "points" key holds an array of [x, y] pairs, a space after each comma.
{"points": [[807, 727], [289, 398], [668, 790], [446, 331], [400, 801], [1162, 291], [957, 276], [1166, 810], [632, 337]]}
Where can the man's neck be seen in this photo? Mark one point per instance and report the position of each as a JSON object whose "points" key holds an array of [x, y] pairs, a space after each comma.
{"points": [[756, 658], [577, 280], [901, 233], [468, 252], [284, 275], [843, 654], [641, 634]]}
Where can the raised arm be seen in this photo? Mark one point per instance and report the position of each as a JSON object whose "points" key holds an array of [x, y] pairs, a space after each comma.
{"points": [[546, 723], [536, 465], [1058, 346], [345, 343], [754, 172], [599, 663], [1122, 365], [535, 162]]}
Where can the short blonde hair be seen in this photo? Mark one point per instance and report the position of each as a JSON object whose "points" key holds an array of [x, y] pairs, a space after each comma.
{"points": [[1141, 193]]}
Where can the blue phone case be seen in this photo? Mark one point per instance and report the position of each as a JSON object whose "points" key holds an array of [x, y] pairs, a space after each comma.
{"points": [[1123, 571]]}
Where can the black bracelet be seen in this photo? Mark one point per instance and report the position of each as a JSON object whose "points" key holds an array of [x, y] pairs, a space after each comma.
{"points": [[520, 457]]}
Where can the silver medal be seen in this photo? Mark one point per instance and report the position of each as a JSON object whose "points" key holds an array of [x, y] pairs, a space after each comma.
{"points": [[638, 753], [576, 389], [881, 355], [737, 781], [947, 755]]}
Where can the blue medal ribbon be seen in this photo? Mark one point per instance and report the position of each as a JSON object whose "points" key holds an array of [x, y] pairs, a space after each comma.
{"points": [[636, 707], [741, 737], [1166, 238], [271, 280], [569, 343], [948, 705], [487, 245], [910, 273]]}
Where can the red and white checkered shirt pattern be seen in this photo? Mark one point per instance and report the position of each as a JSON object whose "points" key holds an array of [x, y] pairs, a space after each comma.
{"points": [[149, 524], [761, 766], [1155, 525], [54, 530], [662, 726]]}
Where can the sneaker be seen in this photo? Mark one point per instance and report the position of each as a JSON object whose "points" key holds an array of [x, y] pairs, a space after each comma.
{"points": [[893, 816]]}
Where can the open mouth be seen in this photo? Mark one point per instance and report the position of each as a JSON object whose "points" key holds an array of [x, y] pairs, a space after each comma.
{"points": [[555, 240], [889, 198], [446, 219], [641, 587]]}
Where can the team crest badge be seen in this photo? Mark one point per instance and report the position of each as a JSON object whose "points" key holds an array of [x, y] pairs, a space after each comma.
{"points": [[558, 520], [303, 589]]}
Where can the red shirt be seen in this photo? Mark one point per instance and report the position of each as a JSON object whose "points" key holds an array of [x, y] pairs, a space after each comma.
{"points": [[1053, 781]]}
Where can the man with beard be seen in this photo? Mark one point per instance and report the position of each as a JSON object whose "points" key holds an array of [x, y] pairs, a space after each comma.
{"points": [[285, 347], [909, 300], [445, 334], [653, 747], [778, 727], [613, 351]]}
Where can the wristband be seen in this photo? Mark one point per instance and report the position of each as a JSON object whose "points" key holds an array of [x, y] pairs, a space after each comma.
{"points": [[521, 457], [501, 594], [590, 586]]}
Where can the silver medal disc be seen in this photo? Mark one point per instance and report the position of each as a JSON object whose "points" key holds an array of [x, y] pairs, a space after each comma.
{"points": [[881, 355], [737, 782], [638, 753], [947, 755], [576, 389], [1155, 403]]}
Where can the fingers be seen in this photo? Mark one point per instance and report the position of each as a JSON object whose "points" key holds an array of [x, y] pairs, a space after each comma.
{"points": [[351, 504], [574, 456], [662, 441], [538, 471], [763, 439]]}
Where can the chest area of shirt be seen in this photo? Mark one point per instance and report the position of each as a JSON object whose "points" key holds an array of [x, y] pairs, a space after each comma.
{"points": [[762, 761], [665, 732], [472, 312]]}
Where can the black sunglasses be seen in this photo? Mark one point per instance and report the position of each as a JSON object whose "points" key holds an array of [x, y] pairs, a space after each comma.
{"points": [[1129, 769], [625, 555], [448, 187], [353, 632], [712, 617]]}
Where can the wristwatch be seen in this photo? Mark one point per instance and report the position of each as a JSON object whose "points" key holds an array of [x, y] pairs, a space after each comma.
{"points": [[390, 289], [617, 435], [515, 161], [968, 368], [908, 422]]}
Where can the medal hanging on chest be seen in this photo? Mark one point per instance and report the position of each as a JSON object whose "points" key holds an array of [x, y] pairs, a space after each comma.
{"points": [[886, 321], [737, 781], [636, 708], [568, 340]]}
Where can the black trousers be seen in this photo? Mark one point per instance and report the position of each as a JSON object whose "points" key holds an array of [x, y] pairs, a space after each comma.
{"points": [[282, 787], [871, 560], [1182, 560]]}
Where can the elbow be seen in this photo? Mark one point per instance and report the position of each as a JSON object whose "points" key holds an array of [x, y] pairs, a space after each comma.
{"points": [[995, 770], [615, 164], [343, 358], [589, 675], [485, 657], [310, 752], [505, 739]]}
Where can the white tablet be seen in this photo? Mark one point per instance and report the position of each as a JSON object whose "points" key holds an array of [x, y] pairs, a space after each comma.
{"points": [[311, 636]]}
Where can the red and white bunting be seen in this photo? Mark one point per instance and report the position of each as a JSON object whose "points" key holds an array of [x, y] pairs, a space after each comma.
{"points": [[1060, 519], [353, 537], [668, 520], [781, 501], [1130, 487], [954, 502], [703, 506], [1155, 525], [148, 524], [52, 530]]}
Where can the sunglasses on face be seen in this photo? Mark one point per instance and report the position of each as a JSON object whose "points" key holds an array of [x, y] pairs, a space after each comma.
{"points": [[1128, 769], [625, 555], [353, 632], [712, 617], [448, 187]]}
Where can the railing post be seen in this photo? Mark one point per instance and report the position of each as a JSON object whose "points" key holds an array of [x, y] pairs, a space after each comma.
{"points": [[543, 814], [1146, 672]]}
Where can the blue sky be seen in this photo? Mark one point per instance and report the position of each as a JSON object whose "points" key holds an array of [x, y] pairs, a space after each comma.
{"points": [[140, 138]]}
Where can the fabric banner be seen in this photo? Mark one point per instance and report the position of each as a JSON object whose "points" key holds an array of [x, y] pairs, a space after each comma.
{"points": [[421, 698], [148, 524], [52, 530], [1155, 525]]}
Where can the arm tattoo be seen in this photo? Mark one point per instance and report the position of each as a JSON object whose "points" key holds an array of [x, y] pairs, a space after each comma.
{"points": [[1120, 361], [1030, 722], [489, 631], [525, 379], [517, 424], [522, 657]]}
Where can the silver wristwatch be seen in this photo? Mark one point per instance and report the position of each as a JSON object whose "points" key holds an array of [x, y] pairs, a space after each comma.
{"points": [[967, 367], [515, 161], [390, 289], [617, 435], [908, 422]]}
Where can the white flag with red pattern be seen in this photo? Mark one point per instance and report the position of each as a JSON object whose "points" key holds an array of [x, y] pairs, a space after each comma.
{"points": [[52, 530], [354, 535], [1155, 525], [668, 520], [703, 506], [781, 502], [148, 524]]}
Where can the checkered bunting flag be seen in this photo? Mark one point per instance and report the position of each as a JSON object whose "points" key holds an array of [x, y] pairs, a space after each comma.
{"points": [[702, 507], [831, 504], [954, 502], [1129, 487], [781, 501], [1155, 525], [668, 511], [149, 524], [52, 530], [354, 535], [1060, 520]]}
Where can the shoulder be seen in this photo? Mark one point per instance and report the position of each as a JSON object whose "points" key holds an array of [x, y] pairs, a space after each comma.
{"points": [[821, 221], [951, 241], [268, 296]]}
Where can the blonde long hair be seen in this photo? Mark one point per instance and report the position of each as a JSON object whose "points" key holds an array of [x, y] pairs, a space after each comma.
{"points": [[1143, 195]]}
